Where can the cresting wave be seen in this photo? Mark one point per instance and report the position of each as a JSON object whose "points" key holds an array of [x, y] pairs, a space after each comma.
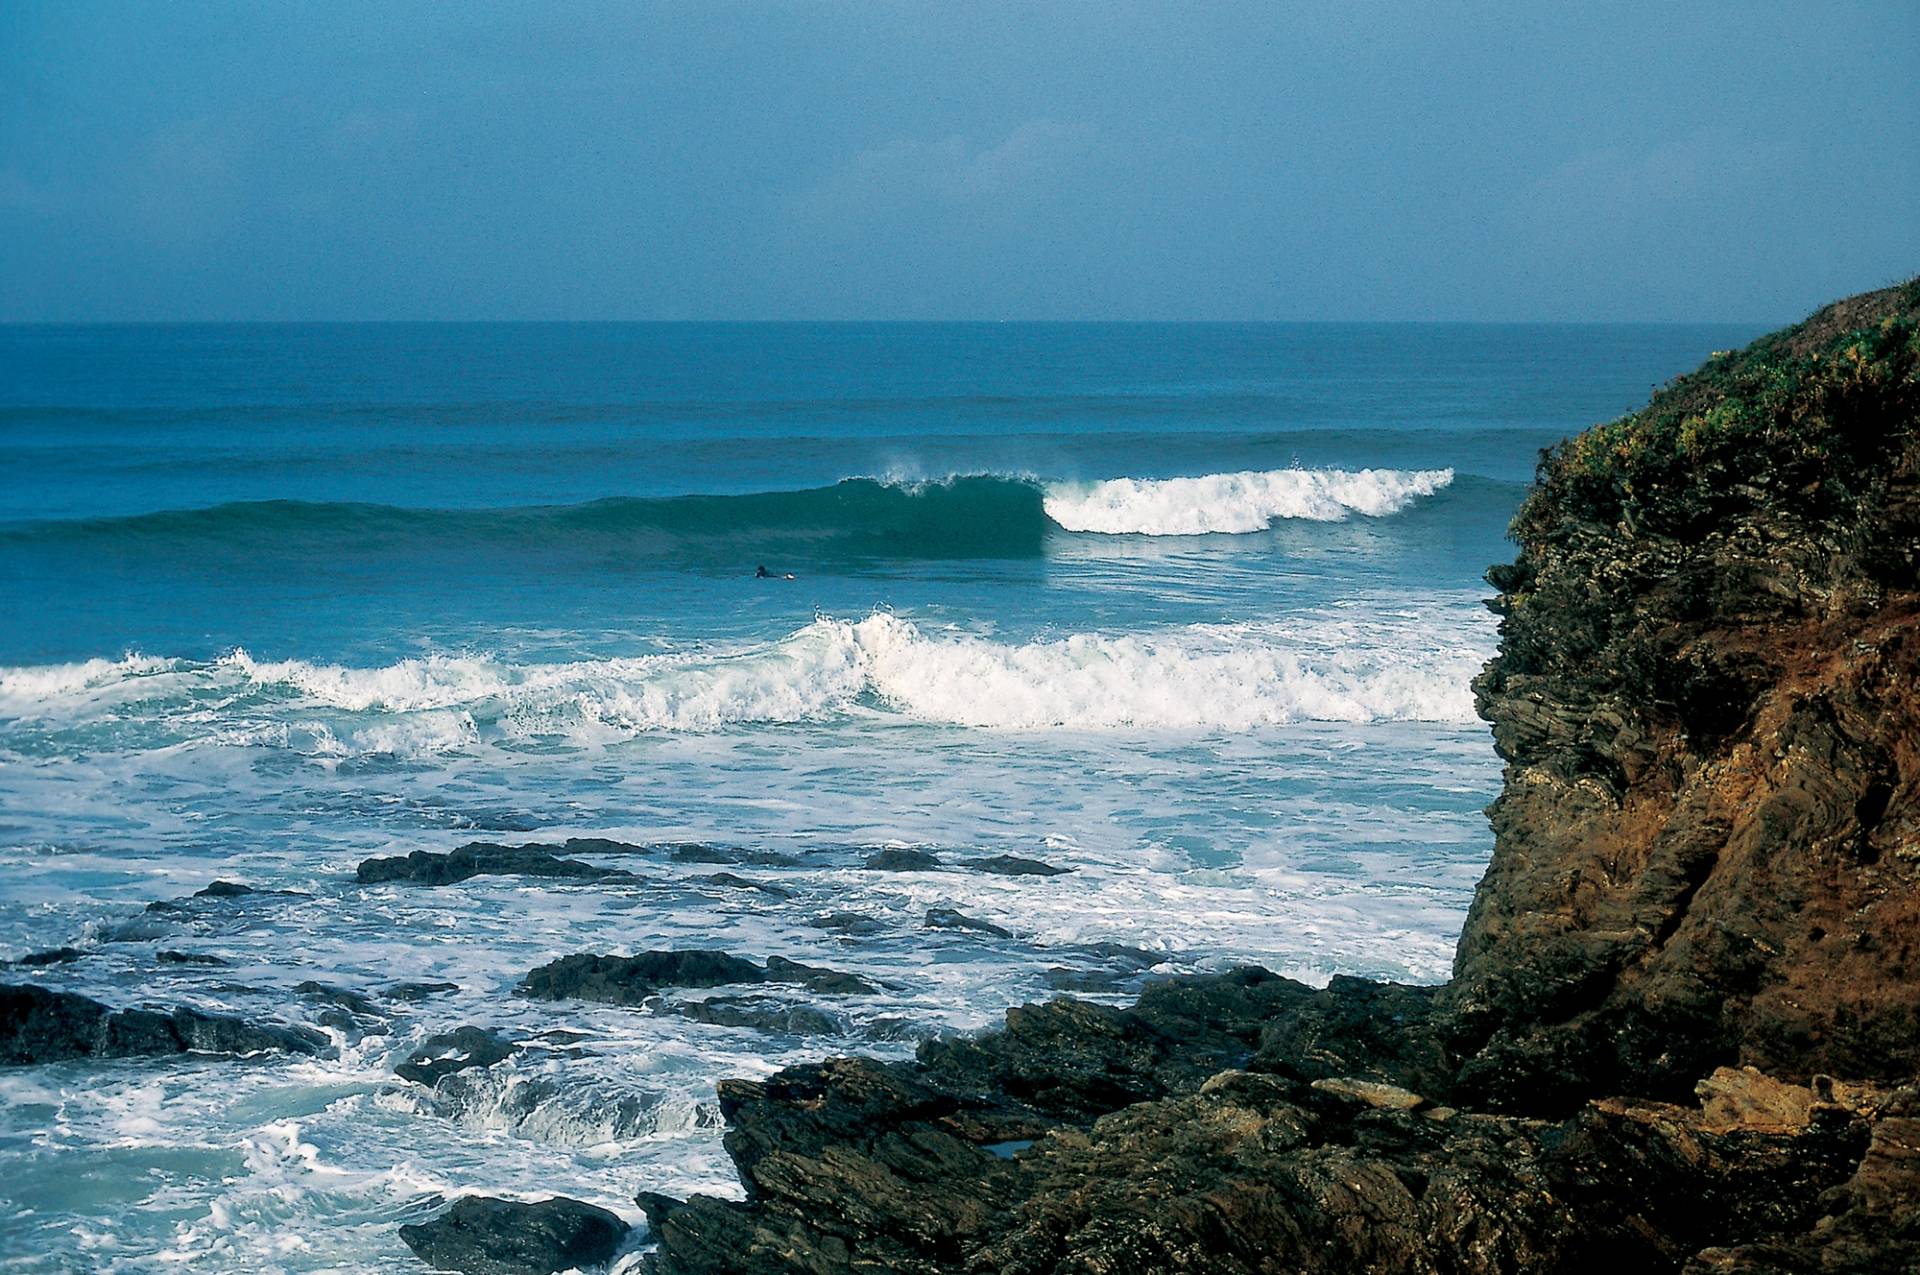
{"points": [[1413, 663], [982, 515]]}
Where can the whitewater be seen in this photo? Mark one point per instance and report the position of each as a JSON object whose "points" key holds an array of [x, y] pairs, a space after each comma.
{"points": [[1187, 615]]}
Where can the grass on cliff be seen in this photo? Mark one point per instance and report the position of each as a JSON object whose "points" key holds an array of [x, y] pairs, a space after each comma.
{"points": [[1799, 419]]}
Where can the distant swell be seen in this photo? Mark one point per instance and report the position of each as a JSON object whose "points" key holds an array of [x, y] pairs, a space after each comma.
{"points": [[1411, 664], [960, 517]]}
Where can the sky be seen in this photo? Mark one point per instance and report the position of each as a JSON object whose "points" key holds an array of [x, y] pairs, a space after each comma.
{"points": [[335, 160]]}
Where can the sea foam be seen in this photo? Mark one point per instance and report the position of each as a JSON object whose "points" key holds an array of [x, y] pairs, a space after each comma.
{"points": [[1351, 665], [1235, 503]]}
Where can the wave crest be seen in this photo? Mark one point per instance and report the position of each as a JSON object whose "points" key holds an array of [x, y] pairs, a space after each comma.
{"points": [[1236, 503]]}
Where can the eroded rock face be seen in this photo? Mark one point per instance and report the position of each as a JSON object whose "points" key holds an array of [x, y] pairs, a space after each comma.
{"points": [[1708, 847]]}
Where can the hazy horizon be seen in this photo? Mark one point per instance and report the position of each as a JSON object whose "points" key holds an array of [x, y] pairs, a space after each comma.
{"points": [[1065, 162]]}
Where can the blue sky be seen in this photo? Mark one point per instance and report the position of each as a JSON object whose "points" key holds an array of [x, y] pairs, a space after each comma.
{"points": [[336, 160]]}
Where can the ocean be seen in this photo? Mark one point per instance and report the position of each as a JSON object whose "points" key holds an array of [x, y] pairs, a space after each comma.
{"points": [[1188, 611]]}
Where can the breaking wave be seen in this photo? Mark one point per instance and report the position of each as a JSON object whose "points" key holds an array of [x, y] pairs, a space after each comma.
{"points": [[1356, 665], [970, 516]]}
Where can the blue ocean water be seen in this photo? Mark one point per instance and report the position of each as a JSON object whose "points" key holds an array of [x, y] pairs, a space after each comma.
{"points": [[1190, 610]]}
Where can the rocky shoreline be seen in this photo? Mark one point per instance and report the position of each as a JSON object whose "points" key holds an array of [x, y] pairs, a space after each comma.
{"points": [[1683, 1031], [1683, 1028]]}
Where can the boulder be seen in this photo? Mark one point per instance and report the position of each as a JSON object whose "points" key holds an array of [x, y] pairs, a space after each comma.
{"points": [[484, 1236]]}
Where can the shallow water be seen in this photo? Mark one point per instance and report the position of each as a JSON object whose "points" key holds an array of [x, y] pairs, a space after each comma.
{"points": [[1191, 611]]}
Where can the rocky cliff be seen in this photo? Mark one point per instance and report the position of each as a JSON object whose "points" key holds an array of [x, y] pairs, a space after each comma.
{"points": [[1684, 1026]]}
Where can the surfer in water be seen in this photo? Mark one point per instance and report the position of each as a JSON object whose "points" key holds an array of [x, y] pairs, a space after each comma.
{"points": [[761, 573]]}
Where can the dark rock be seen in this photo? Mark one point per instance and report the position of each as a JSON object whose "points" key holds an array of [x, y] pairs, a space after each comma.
{"points": [[448, 1052], [167, 956], [897, 860], [417, 991], [731, 881], [632, 980], [1062, 979], [484, 1236], [38, 1025], [1012, 865], [849, 923], [814, 978], [952, 919], [53, 956], [759, 1013], [345, 998], [423, 867], [217, 891]]}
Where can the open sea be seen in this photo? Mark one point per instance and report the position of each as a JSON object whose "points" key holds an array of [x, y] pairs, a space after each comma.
{"points": [[1189, 610]]}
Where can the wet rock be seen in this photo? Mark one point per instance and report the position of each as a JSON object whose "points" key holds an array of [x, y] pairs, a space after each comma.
{"points": [[953, 919], [53, 956], [699, 852], [38, 1025], [759, 1013], [218, 891], [1012, 865], [484, 1236], [347, 999], [449, 1052], [1062, 979], [850, 923], [731, 881], [633, 980], [167, 956], [423, 867], [417, 991], [901, 860]]}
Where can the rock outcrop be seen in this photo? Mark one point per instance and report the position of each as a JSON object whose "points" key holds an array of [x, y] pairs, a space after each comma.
{"points": [[1683, 1031], [38, 1025], [480, 858], [484, 1236]]}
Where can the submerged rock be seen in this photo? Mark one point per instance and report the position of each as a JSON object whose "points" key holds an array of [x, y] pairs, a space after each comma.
{"points": [[217, 891], [166, 956], [453, 1051], [423, 867], [53, 956], [900, 860], [484, 1236], [1012, 865], [417, 991], [633, 980], [759, 1013], [38, 1025], [953, 919]]}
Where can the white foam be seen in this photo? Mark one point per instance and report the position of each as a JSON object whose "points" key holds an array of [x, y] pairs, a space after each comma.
{"points": [[1235, 503], [1353, 665]]}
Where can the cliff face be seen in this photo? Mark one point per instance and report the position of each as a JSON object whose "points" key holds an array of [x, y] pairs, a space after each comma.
{"points": [[1684, 1026], [1708, 845]]}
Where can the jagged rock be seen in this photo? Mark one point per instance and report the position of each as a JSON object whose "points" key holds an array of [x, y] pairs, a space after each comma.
{"points": [[698, 852], [953, 919], [448, 1052], [484, 1236], [897, 860], [633, 980], [423, 867], [1012, 865], [345, 998], [38, 1026]]}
